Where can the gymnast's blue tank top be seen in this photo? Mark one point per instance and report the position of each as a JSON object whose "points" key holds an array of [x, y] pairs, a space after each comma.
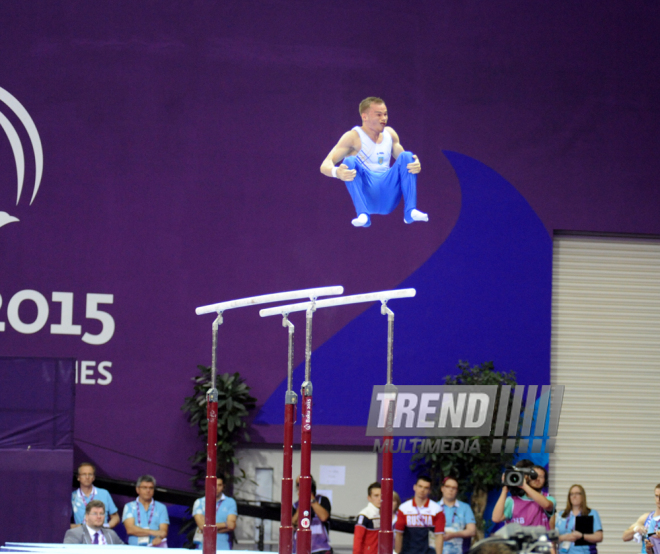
{"points": [[375, 157]]}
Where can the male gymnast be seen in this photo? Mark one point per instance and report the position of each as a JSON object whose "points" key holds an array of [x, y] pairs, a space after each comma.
{"points": [[374, 186]]}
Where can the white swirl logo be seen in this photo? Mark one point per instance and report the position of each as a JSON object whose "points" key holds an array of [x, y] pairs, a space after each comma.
{"points": [[15, 142]]}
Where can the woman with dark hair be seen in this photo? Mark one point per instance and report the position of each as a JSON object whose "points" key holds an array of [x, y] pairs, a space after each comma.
{"points": [[571, 540]]}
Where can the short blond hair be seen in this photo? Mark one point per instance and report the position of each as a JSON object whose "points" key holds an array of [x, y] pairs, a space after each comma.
{"points": [[89, 464], [366, 103]]}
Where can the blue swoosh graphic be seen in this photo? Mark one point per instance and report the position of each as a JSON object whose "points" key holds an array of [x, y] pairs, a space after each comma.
{"points": [[484, 295]]}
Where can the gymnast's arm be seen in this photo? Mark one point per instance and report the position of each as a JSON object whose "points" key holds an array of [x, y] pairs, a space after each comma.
{"points": [[637, 527], [397, 148], [345, 146]]}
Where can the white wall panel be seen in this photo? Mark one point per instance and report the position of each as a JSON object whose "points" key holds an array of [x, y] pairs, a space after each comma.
{"points": [[606, 351]]}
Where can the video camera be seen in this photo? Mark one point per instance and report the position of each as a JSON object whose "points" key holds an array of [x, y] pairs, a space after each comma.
{"points": [[515, 476], [519, 540]]}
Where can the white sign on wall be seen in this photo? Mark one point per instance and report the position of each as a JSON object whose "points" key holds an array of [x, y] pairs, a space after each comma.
{"points": [[332, 475]]}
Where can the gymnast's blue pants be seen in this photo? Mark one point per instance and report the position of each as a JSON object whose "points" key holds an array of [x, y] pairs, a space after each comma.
{"points": [[380, 193]]}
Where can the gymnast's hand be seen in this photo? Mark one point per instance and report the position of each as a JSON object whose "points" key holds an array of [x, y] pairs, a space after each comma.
{"points": [[414, 167], [346, 174]]}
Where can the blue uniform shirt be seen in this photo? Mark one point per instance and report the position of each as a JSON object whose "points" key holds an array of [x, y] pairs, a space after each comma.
{"points": [[456, 519], [79, 502], [567, 525], [147, 519], [224, 507]]}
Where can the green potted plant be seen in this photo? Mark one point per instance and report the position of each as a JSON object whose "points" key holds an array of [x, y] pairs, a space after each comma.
{"points": [[234, 406], [477, 473]]}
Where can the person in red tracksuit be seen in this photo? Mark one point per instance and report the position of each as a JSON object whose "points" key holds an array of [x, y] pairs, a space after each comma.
{"points": [[416, 518], [365, 539]]}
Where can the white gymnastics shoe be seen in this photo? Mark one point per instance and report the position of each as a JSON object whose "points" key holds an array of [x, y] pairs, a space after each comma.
{"points": [[416, 215], [361, 221]]}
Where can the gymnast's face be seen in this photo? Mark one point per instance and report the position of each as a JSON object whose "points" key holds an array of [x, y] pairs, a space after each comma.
{"points": [[375, 118]]}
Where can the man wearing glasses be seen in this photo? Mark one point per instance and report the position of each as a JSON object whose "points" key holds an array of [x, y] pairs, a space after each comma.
{"points": [[460, 523], [92, 531], [146, 521]]}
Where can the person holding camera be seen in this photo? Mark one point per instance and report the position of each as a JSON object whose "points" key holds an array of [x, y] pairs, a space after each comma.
{"points": [[320, 520], [528, 505], [571, 539], [647, 525]]}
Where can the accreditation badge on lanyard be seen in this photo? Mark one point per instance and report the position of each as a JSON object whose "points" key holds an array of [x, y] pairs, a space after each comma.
{"points": [[452, 525], [144, 541], [455, 525], [566, 545]]}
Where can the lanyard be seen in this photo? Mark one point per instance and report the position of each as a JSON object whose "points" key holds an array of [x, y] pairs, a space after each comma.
{"points": [[454, 512], [217, 505], [571, 516], [152, 509], [419, 512], [91, 497]]}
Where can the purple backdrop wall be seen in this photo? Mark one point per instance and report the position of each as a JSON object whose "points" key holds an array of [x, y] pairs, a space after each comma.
{"points": [[36, 447], [181, 149]]}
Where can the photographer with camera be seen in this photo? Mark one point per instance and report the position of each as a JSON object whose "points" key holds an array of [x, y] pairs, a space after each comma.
{"points": [[527, 505]]}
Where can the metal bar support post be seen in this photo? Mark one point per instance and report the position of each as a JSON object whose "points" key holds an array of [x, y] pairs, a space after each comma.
{"points": [[290, 402], [386, 534], [210, 533], [304, 542]]}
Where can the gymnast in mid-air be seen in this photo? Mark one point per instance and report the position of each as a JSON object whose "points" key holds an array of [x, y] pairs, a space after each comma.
{"points": [[375, 187]]}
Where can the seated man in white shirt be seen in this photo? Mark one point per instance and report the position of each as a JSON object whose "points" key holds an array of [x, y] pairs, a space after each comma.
{"points": [[92, 531]]}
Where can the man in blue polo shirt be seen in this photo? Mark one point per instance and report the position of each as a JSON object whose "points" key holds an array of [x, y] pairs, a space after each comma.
{"points": [[146, 521], [460, 524], [225, 517], [88, 492]]}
